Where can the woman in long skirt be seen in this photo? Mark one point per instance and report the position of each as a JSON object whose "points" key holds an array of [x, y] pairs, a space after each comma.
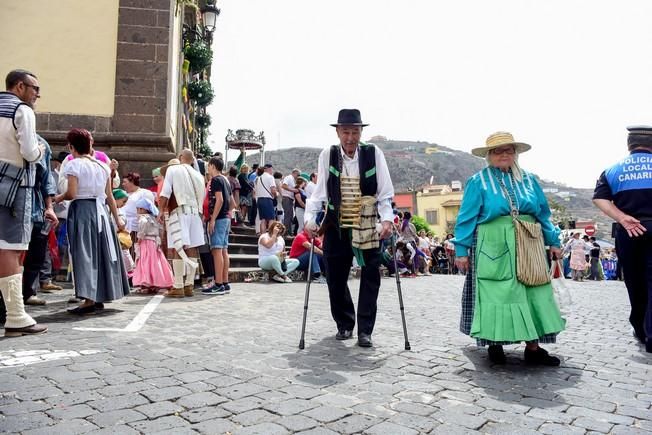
{"points": [[498, 309], [98, 270], [578, 264]]}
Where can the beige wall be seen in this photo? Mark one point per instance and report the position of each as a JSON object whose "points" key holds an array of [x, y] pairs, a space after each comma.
{"points": [[427, 202], [70, 45]]}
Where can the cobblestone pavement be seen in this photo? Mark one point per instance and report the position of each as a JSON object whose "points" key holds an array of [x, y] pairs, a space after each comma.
{"points": [[230, 364]]}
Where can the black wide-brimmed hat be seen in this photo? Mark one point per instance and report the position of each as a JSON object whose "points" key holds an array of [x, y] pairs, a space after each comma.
{"points": [[349, 117]]}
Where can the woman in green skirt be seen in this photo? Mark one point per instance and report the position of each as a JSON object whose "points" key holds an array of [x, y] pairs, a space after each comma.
{"points": [[497, 309]]}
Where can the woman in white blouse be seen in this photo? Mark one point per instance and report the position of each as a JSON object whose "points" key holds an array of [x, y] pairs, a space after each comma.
{"points": [[98, 271], [131, 184]]}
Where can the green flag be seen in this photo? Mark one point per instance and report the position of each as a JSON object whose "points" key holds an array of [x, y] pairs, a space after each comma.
{"points": [[240, 160]]}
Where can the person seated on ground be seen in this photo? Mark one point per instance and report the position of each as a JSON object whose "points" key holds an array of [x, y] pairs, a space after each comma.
{"points": [[387, 260], [271, 253], [301, 251], [405, 259], [423, 246]]}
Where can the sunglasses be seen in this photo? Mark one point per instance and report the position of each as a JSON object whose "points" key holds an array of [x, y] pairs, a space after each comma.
{"points": [[508, 151], [36, 88]]}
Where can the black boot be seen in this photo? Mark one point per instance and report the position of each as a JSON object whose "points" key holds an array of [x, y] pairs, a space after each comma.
{"points": [[496, 354], [540, 357]]}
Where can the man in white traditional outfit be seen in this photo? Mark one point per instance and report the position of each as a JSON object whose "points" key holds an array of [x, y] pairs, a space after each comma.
{"points": [[181, 200], [354, 183], [19, 148]]}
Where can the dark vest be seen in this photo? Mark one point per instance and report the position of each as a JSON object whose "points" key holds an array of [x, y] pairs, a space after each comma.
{"points": [[9, 104], [368, 183]]}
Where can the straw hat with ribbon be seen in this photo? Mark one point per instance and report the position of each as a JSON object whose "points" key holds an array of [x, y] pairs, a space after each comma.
{"points": [[498, 140], [172, 162]]}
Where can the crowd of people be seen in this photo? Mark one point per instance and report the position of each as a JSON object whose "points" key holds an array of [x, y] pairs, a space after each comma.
{"points": [[584, 258], [115, 235], [418, 253]]}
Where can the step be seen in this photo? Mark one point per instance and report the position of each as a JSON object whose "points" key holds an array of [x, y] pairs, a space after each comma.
{"points": [[244, 260], [252, 239], [244, 239], [256, 274], [242, 248], [238, 229]]}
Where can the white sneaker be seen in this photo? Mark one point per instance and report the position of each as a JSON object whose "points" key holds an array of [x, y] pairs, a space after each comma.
{"points": [[287, 279], [278, 278]]}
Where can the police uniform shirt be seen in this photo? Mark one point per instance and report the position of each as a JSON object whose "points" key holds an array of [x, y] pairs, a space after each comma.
{"points": [[628, 184]]}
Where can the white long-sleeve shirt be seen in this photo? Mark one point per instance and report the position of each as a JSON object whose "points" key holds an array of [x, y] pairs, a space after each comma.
{"points": [[350, 168]]}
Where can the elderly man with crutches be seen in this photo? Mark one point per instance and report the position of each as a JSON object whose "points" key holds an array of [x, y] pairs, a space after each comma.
{"points": [[354, 183]]}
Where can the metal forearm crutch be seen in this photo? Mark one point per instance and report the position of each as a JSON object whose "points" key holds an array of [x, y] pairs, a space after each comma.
{"points": [[398, 287], [305, 301]]}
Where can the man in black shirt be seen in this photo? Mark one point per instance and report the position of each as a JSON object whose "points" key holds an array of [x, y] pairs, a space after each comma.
{"points": [[624, 193], [220, 203]]}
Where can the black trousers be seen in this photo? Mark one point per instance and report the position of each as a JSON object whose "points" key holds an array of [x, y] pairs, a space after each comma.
{"points": [[252, 212], [338, 257], [34, 260], [635, 256]]}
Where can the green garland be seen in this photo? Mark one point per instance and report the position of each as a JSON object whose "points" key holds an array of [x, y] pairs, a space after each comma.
{"points": [[201, 92], [199, 55], [203, 121]]}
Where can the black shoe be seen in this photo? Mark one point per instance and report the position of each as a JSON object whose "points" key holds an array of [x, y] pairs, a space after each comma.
{"points": [[343, 334], [496, 354], [99, 306], [364, 340], [540, 357], [80, 311], [639, 337]]}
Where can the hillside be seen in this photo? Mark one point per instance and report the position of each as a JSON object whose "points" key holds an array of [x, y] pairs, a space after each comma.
{"points": [[408, 163], [415, 164]]}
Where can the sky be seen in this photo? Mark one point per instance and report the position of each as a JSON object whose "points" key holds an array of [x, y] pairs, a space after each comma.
{"points": [[565, 76]]}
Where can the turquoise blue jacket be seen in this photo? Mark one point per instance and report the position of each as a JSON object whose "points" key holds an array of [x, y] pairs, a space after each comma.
{"points": [[484, 200]]}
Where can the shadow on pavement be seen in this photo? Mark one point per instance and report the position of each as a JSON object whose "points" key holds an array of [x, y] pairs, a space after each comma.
{"points": [[515, 380], [65, 317], [320, 361]]}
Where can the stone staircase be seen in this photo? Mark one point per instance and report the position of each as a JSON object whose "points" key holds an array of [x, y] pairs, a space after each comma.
{"points": [[243, 252]]}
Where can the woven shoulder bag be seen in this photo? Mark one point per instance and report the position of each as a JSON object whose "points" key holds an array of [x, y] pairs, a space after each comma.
{"points": [[531, 263]]}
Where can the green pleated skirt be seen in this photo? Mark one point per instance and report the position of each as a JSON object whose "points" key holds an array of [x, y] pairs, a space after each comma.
{"points": [[506, 310]]}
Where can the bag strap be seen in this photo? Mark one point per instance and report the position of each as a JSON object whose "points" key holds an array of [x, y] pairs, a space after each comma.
{"points": [[513, 208], [263, 184]]}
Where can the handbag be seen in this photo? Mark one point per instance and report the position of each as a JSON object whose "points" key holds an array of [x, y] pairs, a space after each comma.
{"points": [[531, 262], [559, 288], [11, 178]]}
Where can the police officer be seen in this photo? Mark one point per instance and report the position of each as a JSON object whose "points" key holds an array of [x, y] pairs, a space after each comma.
{"points": [[624, 193]]}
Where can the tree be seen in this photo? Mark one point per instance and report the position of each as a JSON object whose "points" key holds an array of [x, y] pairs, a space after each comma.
{"points": [[560, 215], [420, 224]]}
